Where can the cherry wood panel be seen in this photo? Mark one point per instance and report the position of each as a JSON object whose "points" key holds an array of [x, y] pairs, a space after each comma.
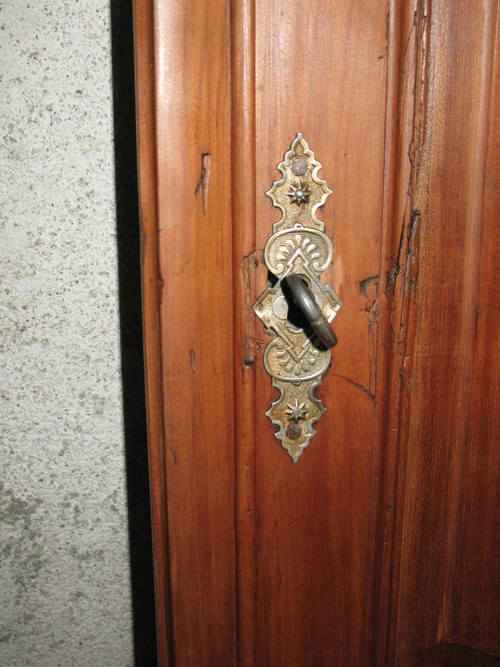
{"points": [[321, 69], [245, 263], [379, 546], [408, 52], [473, 616], [448, 578], [195, 298], [146, 147]]}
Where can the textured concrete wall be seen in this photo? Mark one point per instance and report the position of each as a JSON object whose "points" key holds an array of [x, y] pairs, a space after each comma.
{"points": [[64, 578]]}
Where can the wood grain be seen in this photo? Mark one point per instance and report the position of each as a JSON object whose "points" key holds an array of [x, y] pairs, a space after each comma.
{"points": [[192, 116], [472, 612], [245, 264], [147, 149], [442, 542], [321, 69], [408, 51], [379, 546]]}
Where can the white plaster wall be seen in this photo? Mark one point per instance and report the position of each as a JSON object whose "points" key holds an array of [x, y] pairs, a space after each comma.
{"points": [[64, 575]]}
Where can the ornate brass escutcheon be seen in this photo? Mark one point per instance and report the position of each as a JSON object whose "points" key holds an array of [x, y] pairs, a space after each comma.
{"points": [[296, 308]]}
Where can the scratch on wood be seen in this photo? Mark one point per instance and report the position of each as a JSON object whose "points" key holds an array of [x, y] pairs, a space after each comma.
{"points": [[276, 535], [357, 385], [370, 293], [250, 263], [173, 456], [418, 32], [193, 360], [160, 289], [412, 251], [394, 273], [369, 289], [364, 284], [203, 183]]}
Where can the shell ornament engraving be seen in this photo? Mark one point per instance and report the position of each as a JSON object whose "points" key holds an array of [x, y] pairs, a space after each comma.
{"points": [[295, 358]]}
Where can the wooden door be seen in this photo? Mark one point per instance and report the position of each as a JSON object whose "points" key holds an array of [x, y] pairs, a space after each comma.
{"points": [[379, 546]]}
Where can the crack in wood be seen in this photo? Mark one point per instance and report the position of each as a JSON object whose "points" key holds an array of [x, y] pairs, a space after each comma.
{"points": [[203, 183]]}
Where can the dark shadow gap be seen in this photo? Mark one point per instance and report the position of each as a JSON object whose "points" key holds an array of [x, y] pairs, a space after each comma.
{"points": [[132, 363]]}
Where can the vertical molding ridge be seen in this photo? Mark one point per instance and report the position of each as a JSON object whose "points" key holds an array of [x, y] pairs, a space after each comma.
{"points": [[472, 273], [144, 36], [447, 198], [192, 78], [408, 34], [245, 262]]}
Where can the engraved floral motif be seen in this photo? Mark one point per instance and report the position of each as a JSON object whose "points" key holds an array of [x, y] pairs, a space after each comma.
{"points": [[305, 244], [312, 247], [287, 363], [297, 366]]}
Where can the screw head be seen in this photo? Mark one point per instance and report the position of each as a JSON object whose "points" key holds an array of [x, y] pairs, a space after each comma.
{"points": [[293, 431], [299, 166]]}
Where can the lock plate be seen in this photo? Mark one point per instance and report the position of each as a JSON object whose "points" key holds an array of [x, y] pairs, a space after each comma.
{"points": [[295, 358]]}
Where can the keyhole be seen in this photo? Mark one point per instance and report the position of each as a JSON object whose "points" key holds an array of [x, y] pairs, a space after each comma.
{"points": [[295, 318]]}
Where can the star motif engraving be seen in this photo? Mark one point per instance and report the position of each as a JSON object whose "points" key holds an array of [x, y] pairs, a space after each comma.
{"points": [[296, 412], [299, 193]]}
